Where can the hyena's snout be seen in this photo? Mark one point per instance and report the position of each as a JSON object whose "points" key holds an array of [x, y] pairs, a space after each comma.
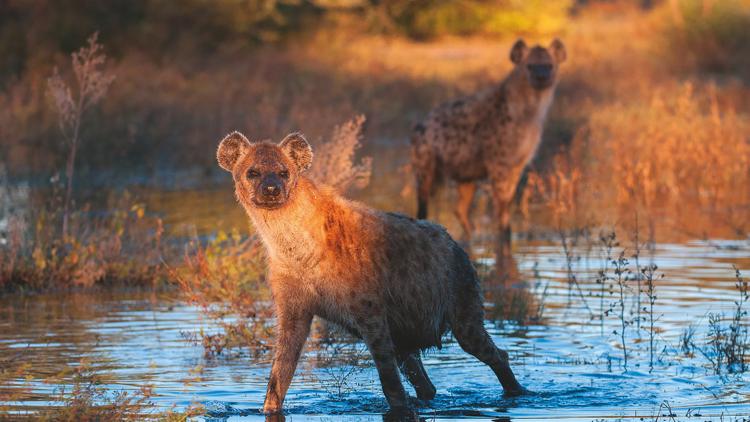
{"points": [[270, 192], [271, 187]]}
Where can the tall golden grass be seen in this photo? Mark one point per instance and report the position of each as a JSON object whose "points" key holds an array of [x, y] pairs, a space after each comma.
{"points": [[680, 157], [682, 151]]}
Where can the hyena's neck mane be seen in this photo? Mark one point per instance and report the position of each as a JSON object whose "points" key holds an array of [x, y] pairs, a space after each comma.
{"points": [[518, 98], [293, 234]]}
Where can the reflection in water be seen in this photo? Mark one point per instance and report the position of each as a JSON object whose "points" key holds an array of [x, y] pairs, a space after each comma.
{"points": [[572, 361]]}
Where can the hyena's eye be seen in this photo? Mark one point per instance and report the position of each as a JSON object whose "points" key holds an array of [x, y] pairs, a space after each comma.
{"points": [[252, 174], [284, 174]]}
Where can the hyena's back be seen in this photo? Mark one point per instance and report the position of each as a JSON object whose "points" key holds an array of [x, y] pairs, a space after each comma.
{"points": [[444, 145]]}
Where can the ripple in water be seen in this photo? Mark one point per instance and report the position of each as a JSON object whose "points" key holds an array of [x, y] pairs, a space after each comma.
{"points": [[572, 362]]}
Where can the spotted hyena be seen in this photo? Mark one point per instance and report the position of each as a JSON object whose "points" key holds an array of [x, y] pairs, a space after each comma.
{"points": [[397, 283], [491, 135]]}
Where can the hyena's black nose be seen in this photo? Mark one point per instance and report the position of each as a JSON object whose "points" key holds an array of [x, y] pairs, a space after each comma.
{"points": [[272, 190], [540, 71], [271, 186]]}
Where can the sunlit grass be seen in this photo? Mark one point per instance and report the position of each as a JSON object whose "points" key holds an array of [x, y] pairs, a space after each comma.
{"points": [[681, 155], [121, 245]]}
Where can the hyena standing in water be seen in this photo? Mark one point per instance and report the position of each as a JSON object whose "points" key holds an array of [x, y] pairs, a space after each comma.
{"points": [[397, 283], [492, 134]]}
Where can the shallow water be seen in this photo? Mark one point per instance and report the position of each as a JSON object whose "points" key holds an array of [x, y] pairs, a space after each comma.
{"points": [[573, 362]]}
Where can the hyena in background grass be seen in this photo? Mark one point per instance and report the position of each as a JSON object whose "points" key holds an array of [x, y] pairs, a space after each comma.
{"points": [[491, 135], [397, 283]]}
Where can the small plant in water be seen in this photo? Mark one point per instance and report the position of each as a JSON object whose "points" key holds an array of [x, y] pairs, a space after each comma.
{"points": [[727, 346], [543, 295], [736, 349], [120, 246], [519, 306], [638, 272], [715, 342], [608, 242], [648, 274], [339, 358], [621, 271], [224, 277], [687, 344], [86, 399]]}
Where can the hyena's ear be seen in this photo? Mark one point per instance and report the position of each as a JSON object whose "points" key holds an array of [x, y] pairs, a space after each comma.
{"points": [[558, 50], [296, 147], [231, 149], [518, 51]]}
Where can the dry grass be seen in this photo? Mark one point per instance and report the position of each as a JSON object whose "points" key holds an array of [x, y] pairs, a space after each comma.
{"points": [[122, 246], [334, 162], [636, 131], [225, 278], [632, 129], [682, 156], [71, 102], [637, 134]]}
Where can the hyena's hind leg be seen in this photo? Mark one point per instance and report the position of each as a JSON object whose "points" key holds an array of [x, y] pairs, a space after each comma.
{"points": [[466, 193], [424, 165], [411, 366], [467, 323], [425, 187]]}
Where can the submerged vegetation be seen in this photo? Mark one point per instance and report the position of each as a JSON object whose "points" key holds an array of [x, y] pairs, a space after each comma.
{"points": [[728, 347]]}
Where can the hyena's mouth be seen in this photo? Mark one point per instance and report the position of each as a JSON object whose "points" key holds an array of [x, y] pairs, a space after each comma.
{"points": [[269, 204], [542, 83]]}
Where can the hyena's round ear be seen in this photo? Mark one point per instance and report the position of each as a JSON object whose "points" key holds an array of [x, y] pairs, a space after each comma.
{"points": [[231, 149], [518, 51], [558, 50], [296, 147]]}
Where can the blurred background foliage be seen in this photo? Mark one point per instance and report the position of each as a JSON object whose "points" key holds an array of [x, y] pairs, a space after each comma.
{"points": [[188, 72], [33, 30], [711, 35]]}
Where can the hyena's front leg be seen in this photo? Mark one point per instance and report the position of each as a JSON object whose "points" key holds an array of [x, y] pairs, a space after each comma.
{"points": [[377, 337], [503, 188], [293, 329]]}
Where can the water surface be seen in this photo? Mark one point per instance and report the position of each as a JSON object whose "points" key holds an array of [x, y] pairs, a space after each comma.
{"points": [[571, 360]]}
